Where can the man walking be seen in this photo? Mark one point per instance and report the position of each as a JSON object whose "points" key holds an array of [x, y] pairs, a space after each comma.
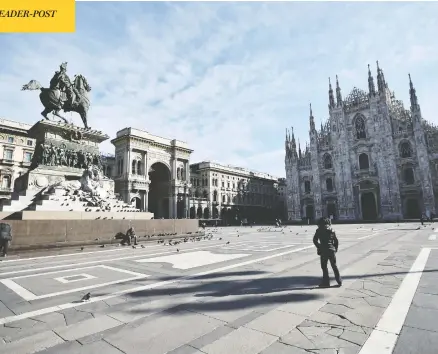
{"points": [[327, 244], [5, 238]]}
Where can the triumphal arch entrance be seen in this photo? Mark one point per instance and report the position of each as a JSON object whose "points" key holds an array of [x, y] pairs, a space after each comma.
{"points": [[152, 173]]}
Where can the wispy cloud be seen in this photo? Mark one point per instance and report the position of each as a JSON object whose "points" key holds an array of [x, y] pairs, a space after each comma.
{"points": [[225, 77]]}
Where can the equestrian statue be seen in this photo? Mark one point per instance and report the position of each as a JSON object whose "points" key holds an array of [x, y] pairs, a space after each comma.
{"points": [[63, 94]]}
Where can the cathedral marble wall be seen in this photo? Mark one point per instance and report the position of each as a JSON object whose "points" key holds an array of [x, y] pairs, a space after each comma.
{"points": [[372, 159]]}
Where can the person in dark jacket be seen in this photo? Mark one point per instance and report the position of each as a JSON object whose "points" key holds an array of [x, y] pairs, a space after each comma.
{"points": [[130, 235], [327, 244], [5, 238]]}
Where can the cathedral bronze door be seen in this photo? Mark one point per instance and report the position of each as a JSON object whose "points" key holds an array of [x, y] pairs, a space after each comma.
{"points": [[412, 209], [331, 210], [310, 212], [369, 207]]}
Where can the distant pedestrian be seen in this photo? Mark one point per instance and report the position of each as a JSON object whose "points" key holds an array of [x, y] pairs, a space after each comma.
{"points": [[327, 244], [129, 237], [5, 238]]}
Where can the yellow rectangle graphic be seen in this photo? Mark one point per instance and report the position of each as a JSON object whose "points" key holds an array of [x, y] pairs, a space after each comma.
{"points": [[33, 16]]}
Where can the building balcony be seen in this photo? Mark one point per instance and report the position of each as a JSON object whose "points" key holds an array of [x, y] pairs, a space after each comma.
{"points": [[25, 163], [6, 189]]}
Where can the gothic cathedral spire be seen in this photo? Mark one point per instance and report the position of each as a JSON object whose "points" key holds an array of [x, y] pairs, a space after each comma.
{"points": [[381, 84], [413, 94], [311, 120], [338, 93], [331, 97], [371, 87]]}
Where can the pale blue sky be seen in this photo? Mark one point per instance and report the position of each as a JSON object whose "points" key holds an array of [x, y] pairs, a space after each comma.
{"points": [[227, 78]]}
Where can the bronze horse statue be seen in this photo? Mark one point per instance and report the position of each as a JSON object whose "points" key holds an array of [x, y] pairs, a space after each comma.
{"points": [[54, 100]]}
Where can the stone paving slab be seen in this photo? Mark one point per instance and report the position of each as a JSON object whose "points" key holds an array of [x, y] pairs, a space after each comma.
{"points": [[163, 334], [242, 341], [88, 327]]}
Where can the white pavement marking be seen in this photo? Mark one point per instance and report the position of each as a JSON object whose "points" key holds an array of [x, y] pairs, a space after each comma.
{"points": [[77, 277], [18, 289], [384, 337], [63, 255], [256, 248], [192, 259], [106, 260], [27, 295], [432, 237], [52, 309]]}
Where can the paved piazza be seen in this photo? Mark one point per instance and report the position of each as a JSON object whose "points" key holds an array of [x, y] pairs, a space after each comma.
{"points": [[244, 291]]}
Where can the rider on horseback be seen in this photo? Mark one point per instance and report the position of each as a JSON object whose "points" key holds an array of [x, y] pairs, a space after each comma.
{"points": [[61, 81]]}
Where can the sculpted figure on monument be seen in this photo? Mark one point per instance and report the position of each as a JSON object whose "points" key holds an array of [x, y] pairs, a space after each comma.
{"points": [[52, 155], [63, 94], [89, 159]]}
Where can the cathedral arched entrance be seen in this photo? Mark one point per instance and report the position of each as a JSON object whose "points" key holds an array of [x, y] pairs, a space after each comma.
{"points": [[159, 190], [368, 206], [412, 208]]}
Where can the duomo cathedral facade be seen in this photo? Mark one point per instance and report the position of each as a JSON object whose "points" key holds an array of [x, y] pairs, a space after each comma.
{"points": [[372, 160]]}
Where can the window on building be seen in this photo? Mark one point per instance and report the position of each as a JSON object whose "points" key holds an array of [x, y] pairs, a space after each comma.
{"points": [[329, 184], [134, 167], [205, 195], [29, 143], [215, 196], [108, 171], [10, 139], [139, 168], [223, 184], [8, 154], [307, 186], [328, 161], [120, 167], [359, 125], [27, 157], [409, 176], [6, 182], [223, 199], [405, 149], [228, 184], [364, 162]]}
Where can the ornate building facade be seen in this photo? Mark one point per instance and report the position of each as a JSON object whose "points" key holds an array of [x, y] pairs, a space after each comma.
{"points": [[151, 172], [16, 154], [372, 159], [232, 193]]}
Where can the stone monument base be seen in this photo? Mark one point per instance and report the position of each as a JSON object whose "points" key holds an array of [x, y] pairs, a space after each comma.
{"points": [[66, 180]]}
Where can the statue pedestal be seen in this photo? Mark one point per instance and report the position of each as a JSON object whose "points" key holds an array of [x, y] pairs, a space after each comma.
{"points": [[62, 152], [65, 177]]}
